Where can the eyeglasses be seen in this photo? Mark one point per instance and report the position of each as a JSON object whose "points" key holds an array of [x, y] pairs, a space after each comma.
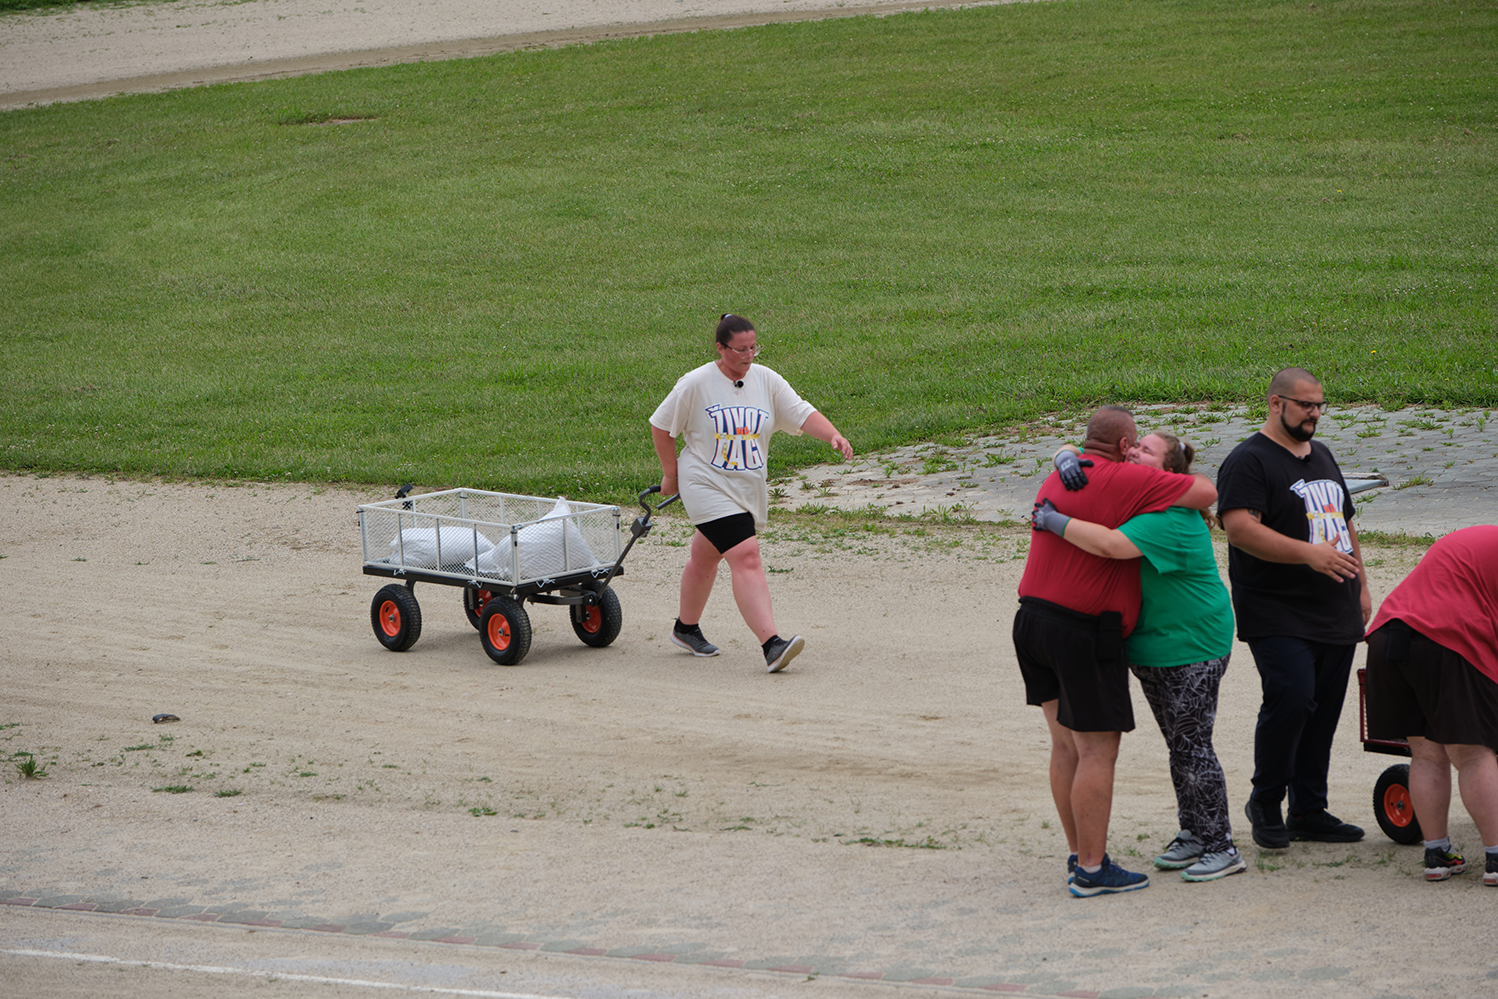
{"points": [[1307, 404], [744, 351]]}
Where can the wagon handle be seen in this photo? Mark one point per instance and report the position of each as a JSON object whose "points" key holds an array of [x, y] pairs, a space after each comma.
{"points": [[638, 529]]}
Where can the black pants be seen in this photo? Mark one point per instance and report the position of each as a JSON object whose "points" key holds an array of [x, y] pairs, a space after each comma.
{"points": [[1304, 684]]}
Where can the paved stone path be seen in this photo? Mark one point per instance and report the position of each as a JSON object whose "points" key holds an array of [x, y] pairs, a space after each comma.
{"points": [[1441, 466]]}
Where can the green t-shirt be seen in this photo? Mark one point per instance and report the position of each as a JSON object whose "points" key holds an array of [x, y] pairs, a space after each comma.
{"points": [[1185, 615]]}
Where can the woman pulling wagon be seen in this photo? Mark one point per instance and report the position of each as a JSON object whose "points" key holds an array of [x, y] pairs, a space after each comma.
{"points": [[725, 412]]}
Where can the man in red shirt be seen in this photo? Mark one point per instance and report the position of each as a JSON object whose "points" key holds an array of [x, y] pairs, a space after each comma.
{"points": [[1433, 680], [1075, 611]]}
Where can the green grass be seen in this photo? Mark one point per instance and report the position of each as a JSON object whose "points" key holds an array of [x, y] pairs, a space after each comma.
{"points": [[942, 222], [28, 768]]}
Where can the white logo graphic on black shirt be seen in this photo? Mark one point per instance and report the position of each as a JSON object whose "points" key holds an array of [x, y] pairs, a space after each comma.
{"points": [[1325, 521], [736, 432]]}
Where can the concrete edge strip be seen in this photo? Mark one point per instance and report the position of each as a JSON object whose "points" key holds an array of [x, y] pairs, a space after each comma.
{"points": [[978, 984]]}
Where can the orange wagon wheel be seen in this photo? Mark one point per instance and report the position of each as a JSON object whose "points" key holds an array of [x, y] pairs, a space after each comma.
{"points": [[598, 625], [1393, 808], [396, 617], [505, 630]]}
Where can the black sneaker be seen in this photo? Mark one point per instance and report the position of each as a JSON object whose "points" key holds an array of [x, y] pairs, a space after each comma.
{"points": [[1322, 826], [1490, 878], [780, 651], [696, 644], [1441, 864], [1269, 828]]}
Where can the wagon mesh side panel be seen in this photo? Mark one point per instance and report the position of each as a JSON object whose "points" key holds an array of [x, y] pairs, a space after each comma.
{"points": [[451, 532]]}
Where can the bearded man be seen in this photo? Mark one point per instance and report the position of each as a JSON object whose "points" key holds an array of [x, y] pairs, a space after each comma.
{"points": [[1301, 600]]}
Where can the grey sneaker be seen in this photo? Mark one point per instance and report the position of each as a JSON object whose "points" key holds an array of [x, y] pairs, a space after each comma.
{"points": [[1183, 851], [781, 651], [1212, 866], [696, 644]]}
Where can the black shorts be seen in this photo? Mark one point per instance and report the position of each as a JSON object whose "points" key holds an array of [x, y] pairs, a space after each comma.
{"points": [[1058, 651], [728, 532], [1417, 686]]}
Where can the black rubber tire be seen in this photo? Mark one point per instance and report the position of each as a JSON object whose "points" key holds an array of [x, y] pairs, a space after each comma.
{"points": [[396, 617], [599, 625], [1393, 808], [505, 631], [474, 600]]}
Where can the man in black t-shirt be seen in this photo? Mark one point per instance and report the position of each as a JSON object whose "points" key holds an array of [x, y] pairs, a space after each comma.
{"points": [[1301, 600]]}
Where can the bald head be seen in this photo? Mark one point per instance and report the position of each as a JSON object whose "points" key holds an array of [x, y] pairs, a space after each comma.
{"points": [[1287, 383], [1111, 432]]}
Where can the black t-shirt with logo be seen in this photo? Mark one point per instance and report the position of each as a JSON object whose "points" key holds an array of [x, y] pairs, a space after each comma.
{"points": [[1302, 498]]}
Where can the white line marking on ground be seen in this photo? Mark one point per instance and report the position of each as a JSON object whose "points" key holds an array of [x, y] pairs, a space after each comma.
{"points": [[279, 976]]}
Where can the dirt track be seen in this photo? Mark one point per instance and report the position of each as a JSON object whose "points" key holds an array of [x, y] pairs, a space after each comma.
{"points": [[640, 798]]}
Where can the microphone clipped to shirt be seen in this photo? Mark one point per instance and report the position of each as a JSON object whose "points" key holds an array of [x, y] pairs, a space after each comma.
{"points": [[739, 383]]}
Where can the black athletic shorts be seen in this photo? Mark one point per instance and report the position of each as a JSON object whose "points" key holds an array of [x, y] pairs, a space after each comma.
{"points": [[728, 532], [1059, 657], [1416, 686]]}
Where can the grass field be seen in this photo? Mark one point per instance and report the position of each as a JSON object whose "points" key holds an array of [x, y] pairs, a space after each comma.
{"points": [[488, 272]]}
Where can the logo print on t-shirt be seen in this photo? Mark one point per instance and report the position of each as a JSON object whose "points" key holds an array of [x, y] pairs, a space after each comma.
{"points": [[1324, 519], [736, 432]]}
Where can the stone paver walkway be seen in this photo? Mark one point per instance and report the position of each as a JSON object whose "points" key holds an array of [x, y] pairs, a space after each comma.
{"points": [[1441, 466]]}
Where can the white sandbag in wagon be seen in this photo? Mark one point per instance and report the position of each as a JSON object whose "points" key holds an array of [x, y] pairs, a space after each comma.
{"points": [[551, 546], [420, 547]]}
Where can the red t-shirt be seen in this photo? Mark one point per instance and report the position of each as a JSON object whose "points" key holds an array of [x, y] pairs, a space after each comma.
{"points": [[1059, 571], [1451, 597]]}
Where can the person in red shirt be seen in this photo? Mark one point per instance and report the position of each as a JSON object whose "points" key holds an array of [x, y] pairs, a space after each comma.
{"points": [[1433, 680], [1075, 610]]}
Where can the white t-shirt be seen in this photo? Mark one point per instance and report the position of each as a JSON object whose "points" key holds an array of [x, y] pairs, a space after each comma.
{"points": [[726, 432]]}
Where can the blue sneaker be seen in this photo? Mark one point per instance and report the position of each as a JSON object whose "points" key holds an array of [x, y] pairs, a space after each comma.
{"points": [[1071, 867], [1106, 880]]}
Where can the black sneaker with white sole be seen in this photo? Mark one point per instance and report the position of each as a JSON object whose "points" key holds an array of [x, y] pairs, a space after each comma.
{"points": [[780, 651], [694, 642]]}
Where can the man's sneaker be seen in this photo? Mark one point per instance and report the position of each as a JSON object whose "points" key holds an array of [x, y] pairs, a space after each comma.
{"points": [[780, 651], [696, 644], [1071, 867], [1491, 877], [1441, 864], [1269, 828], [1322, 826], [1215, 865], [1107, 880], [1183, 851]]}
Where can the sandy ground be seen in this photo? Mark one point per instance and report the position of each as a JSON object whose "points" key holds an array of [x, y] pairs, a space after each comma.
{"points": [[640, 799], [93, 51]]}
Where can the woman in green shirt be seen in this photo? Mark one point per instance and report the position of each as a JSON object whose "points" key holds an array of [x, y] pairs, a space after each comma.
{"points": [[1179, 651]]}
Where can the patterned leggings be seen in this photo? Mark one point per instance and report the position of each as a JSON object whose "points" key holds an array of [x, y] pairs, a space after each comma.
{"points": [[1184, 700]]}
